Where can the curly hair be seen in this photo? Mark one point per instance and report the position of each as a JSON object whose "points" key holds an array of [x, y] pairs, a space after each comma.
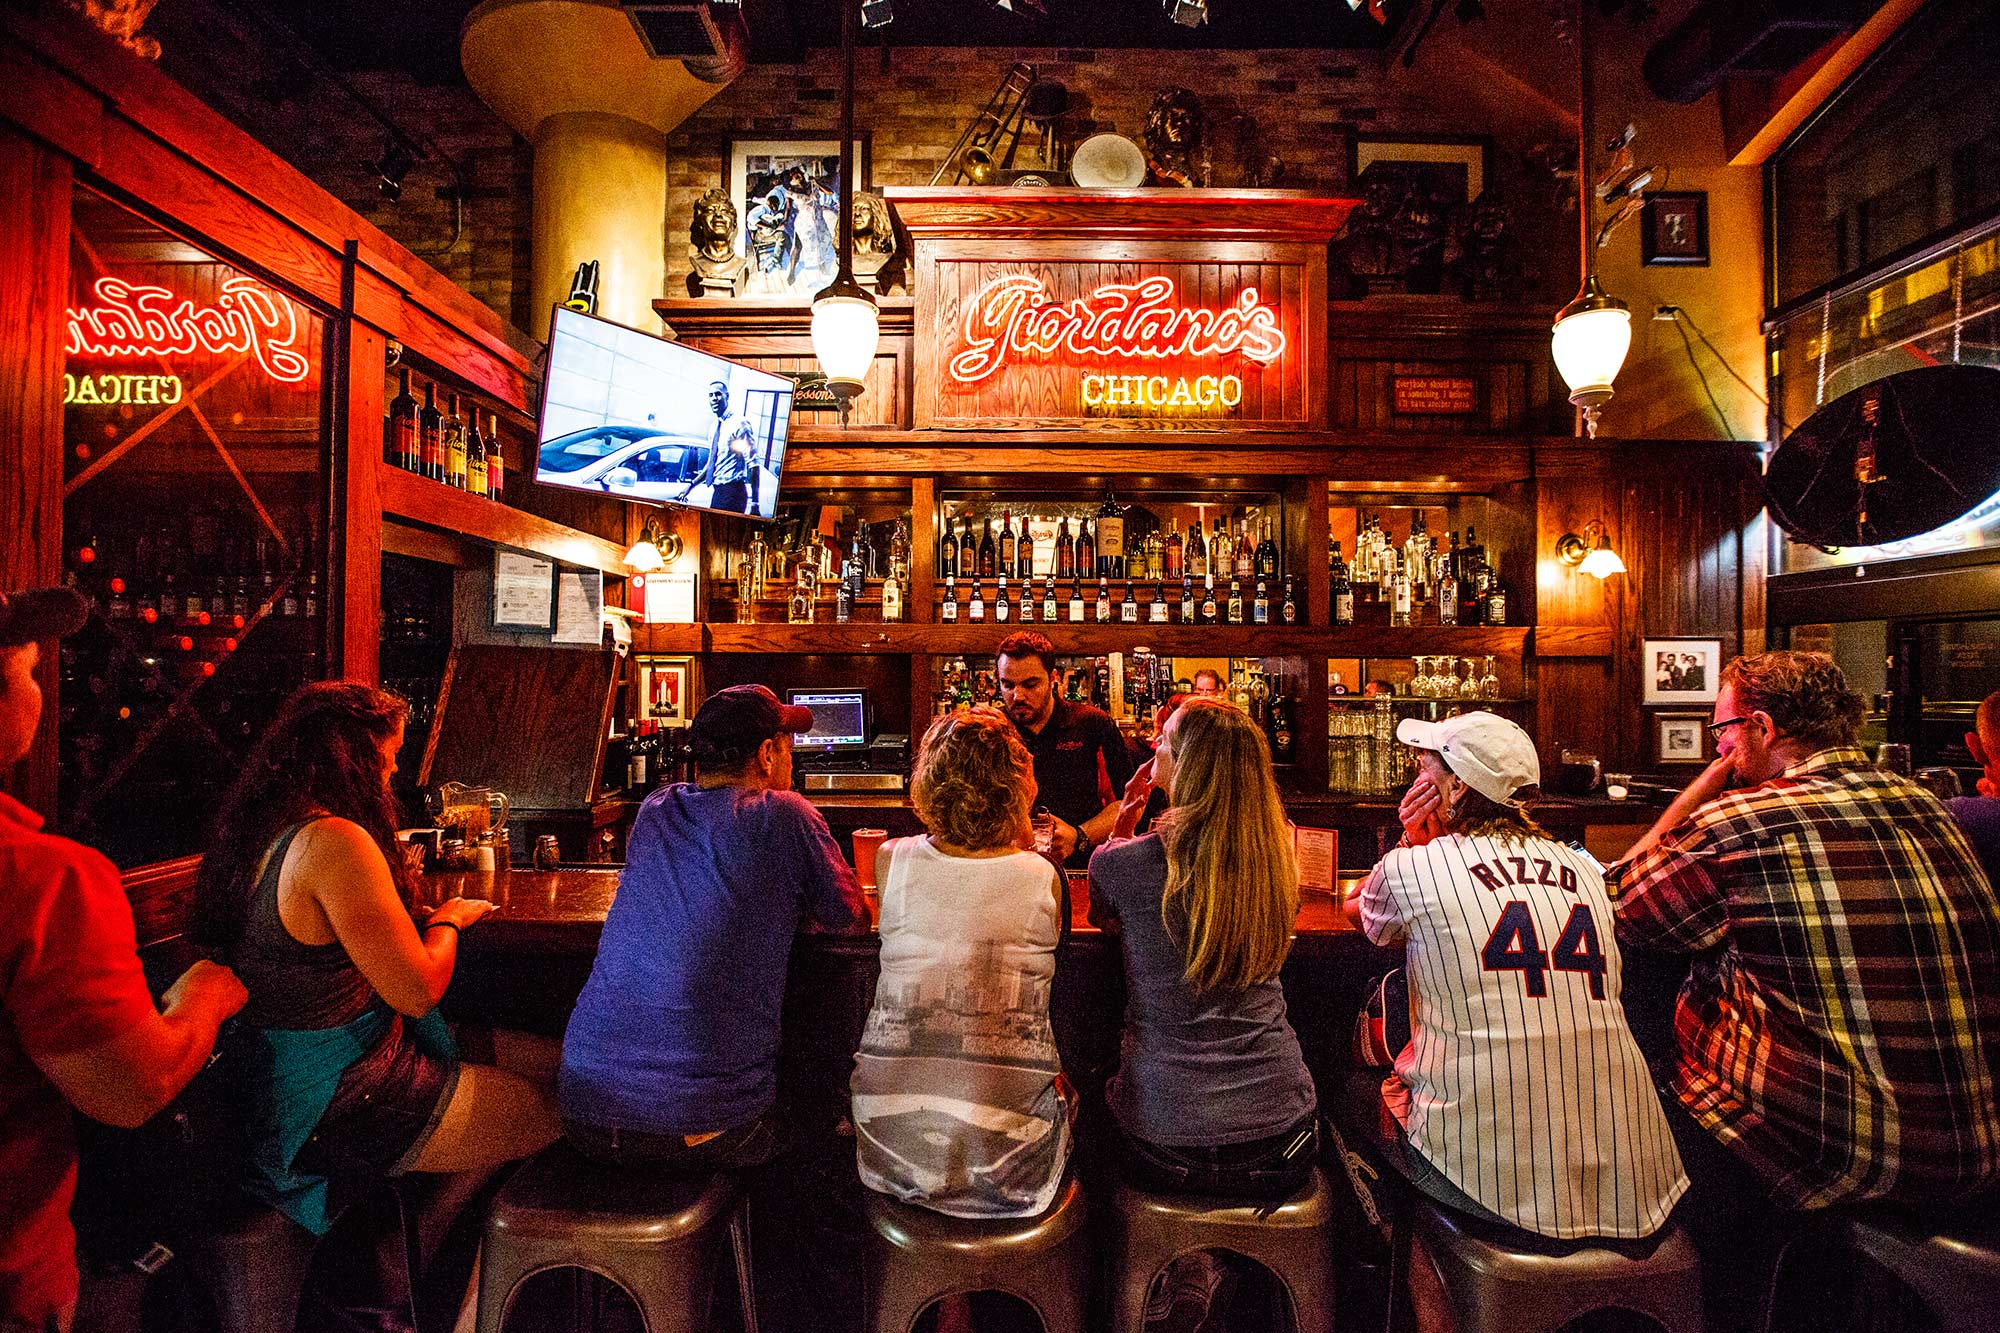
{"points": [[320, 755], [879, 236], [1173, 99], [1805, 694], [975, 780], [1479, 816]]}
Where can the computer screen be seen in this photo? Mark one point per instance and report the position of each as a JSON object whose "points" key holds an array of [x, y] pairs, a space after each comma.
{"points": [[627, 414], [840, 717]]}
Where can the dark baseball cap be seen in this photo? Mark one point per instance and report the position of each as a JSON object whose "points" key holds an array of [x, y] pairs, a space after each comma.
{"points": [[732, 723], [40, 613]]}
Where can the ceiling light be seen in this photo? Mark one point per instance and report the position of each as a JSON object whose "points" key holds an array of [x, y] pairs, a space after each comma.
{"points": [[846, 326], [1187, 13], [391, 167], [1593, 332], [877, 13]]}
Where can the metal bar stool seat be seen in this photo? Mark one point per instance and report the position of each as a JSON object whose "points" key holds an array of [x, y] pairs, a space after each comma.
{"points": [[916, 1256], [1290, 1237], [1504, 1280], [1954, 1269], [657, 1236]]}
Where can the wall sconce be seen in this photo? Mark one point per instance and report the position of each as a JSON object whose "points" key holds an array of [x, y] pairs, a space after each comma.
{"points": [[653, 551], [1591, 552]]}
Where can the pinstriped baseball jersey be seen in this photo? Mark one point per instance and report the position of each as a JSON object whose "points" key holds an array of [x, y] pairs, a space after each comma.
{"points": [[1524, 1086]]}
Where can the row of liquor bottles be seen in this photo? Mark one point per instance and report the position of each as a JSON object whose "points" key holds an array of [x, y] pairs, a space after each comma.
{"points": [[154, 582], [1421, 582], [448, 444], [1193, 605], [1099, 548]]}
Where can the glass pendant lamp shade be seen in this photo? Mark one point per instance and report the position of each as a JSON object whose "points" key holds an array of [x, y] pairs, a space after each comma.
{"points": [[1592, 335], [1602, 562], [845, 332]]}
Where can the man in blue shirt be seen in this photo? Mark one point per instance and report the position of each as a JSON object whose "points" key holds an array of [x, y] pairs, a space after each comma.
{"points": [[671, 1056]]}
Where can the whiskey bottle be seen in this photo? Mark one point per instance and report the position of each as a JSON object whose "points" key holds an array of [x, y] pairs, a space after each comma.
{"points": [[947, 550], [1260, 607], [976, 612], [1343, 591], [1246, 554], [1075, 601], [1103, 599], [1496, 604], [1128, 609], [1399, 594], [843, 596], [892, 593], [1282, 731], [1007, 556], [1288, 612], [1208, 609], [1448, 597], [1235, 601], [402, 444], [1187, 599], [799, 611], [1002, 612], [1267, 555], [1049, 600], [948, 612]]}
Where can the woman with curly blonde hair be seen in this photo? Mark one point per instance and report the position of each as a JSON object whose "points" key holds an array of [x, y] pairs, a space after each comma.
{"points": [[959, 1101]]}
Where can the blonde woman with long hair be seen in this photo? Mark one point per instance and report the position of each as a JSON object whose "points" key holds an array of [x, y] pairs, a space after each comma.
{"points": [[1212, 1095]]}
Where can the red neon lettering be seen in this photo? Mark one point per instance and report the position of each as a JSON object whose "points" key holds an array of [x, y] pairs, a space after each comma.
{"points": [[144, 321], [1127, 319]]}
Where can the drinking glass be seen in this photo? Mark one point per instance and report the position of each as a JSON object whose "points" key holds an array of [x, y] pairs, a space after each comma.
{"points": [[1489, 684], [866, 841], [1045, 832]]}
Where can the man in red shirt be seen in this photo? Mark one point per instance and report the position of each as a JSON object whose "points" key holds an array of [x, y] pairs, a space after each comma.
{"points": [[77, 1023]]}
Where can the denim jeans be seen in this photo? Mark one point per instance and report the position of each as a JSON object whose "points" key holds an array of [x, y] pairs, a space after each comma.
{"points": [[737, 1149], [1268, 1168]]}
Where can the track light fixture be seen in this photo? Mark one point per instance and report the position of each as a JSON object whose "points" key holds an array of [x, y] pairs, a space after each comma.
{"points": [[1187, 13], [391, 167]]}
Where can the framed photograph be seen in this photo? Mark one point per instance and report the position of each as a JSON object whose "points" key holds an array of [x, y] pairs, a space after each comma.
{"points": [[1681, 738], [1673, 228], [1454, 168], [663, 690], [787, 197], [1680, 671]]}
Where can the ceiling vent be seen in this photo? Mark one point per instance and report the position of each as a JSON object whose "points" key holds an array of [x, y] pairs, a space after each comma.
{"points": [[1721, 37], [708, 37]]}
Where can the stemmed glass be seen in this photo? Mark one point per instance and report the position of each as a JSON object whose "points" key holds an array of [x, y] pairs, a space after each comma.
{"points": [[1489, 684]]}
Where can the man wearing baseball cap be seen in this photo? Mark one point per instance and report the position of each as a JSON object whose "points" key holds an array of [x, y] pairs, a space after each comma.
{"points": [[1521, 1097], [671, 1057], [77, 1024]]}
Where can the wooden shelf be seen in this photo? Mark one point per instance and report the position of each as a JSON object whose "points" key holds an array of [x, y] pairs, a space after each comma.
{"points": [[686, 639], [1093, 640], [415, 499]]}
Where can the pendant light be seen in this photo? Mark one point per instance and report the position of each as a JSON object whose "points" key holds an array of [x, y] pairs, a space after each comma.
{"points": [[845, 327], [1594, 331]]}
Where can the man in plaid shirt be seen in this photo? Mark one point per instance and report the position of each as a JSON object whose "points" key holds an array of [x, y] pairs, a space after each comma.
{"points": [[1840, 1033]]}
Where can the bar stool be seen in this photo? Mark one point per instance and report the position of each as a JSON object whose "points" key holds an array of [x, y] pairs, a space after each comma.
{"points": [[1291, 1238], [1954, 1270], [916, 1256], [659, 1237], [1508, 1281]]}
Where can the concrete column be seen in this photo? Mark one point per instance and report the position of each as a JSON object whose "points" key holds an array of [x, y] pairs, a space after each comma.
{"points": [[600, 193]]}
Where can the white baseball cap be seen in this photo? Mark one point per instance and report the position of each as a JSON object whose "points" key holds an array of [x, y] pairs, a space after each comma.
{"points": [[1489, 754]]}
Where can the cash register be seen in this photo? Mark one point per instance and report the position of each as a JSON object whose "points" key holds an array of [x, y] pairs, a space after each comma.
{"points": [[838, 754]]}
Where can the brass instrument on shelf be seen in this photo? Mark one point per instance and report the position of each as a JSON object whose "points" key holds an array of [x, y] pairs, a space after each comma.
{"points": [[986, 149]]}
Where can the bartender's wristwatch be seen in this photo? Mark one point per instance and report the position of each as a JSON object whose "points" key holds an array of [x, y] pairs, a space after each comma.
{"points": [[1083, 843]]}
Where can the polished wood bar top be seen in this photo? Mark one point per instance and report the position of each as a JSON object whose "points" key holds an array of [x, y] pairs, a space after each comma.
{"points": [[566, 908]]}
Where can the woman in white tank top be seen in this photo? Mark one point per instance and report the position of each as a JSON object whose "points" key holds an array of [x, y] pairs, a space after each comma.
{"points": [[959, 1100]]}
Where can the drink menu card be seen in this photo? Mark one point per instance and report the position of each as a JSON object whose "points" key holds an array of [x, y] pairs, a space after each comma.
{"points": [[1315, 849]]}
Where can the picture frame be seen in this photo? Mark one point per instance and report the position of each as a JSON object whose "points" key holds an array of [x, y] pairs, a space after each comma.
{"points": [[1680, 671], [792, 246], [1453, 164], [1673, 228], [664, 684], [1681, 738]]}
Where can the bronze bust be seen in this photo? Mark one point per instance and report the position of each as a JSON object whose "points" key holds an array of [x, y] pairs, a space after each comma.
{"points": [[718, 269], [874, 242], [1173, 138]]}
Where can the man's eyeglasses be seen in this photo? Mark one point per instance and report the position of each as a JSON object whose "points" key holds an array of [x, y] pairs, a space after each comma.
{"points": [[1715, 729]]}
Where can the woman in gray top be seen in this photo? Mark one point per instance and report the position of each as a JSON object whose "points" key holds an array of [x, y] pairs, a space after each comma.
{"points": [[1211, 1095]]}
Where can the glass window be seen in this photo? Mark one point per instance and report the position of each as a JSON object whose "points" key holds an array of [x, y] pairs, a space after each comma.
{"points": [[194, 518]]}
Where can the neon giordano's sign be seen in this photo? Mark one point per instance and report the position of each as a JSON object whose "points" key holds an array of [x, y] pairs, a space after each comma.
{"points": [[141, 321], [1009, 321]]}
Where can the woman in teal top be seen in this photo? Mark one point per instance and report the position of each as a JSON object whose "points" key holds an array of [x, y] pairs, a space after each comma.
{"points": [[344, 1071]]}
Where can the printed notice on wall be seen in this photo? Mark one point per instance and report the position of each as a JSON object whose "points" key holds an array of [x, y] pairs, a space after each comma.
{"points": [[579, 607], [522, 591], [669, 596], [1315, 849]]}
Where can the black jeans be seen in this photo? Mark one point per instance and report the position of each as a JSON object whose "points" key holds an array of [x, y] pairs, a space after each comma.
{"points": [[738, 1149], [1268, 1168]]}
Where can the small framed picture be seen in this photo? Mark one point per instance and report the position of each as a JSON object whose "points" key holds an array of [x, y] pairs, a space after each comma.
{"points": [[1674, 228], [787, 197], [1452, 168], [1680, 671], [663, 690], [1681, 738]]}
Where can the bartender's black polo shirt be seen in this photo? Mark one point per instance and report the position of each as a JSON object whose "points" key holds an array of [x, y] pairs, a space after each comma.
{"points": [[1069, 752]]}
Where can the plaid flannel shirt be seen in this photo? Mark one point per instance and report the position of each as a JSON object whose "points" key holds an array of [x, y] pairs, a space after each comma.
{"points": [[1844, 1038]]}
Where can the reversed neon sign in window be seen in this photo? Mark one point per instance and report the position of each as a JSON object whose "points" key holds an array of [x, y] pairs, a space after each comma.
{"points": [[135, 320], [1008, 319]]}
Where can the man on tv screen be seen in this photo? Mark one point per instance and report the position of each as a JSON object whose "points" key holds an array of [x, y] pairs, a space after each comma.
{"points": [[733, 465]]}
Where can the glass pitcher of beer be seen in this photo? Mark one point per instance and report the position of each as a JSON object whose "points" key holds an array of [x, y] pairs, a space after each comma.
{"points": [[477, 810]]}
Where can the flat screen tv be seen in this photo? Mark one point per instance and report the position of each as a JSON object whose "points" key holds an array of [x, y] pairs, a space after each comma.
{"points": [[625, 413]]}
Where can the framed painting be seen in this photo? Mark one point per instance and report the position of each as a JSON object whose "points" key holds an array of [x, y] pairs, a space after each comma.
{"points": [[1673, 228], [787, 197], [1453, 168], [1681, 738], [663, 690]]}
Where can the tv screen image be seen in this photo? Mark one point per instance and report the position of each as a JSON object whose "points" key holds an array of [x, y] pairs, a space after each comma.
{"points": [[625, 413]]}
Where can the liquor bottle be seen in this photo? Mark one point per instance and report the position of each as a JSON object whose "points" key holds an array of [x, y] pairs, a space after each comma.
{"points": [[987, 554], [454, 447], [1103, 599], [1176, 552], [1235, 601], [1128, 609], [1246, 552], [899, 546], [1075, 601], [1156, 556], [1417, 557], [1156, 610], [1267, 554], [859, 557], [288, 601], [1448, 597], [1399, 593], [1260, 606], [1470, 556], [1024, 565], [947, 550], [799, 611], [948, 613], [968, 549], [1049, 600], [496, 459], [1283, 735], [1187, 599], [1496, 604], [1343, 591], [475, 456], [892, 593], [843, 596], [1101, 680], [218, 596], [1024, 608], [1086, 550], [1110, 537], [430, 436], [1002, 611], [1197, 551], [239, 592], [1064, 563], [402, 445], [1288, 612], [976, 612], [1006, 552], [1221, 557], [1208, 609]]}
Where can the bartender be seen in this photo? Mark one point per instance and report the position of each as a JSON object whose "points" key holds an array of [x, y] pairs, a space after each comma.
{"points": [[1081, 762]]}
